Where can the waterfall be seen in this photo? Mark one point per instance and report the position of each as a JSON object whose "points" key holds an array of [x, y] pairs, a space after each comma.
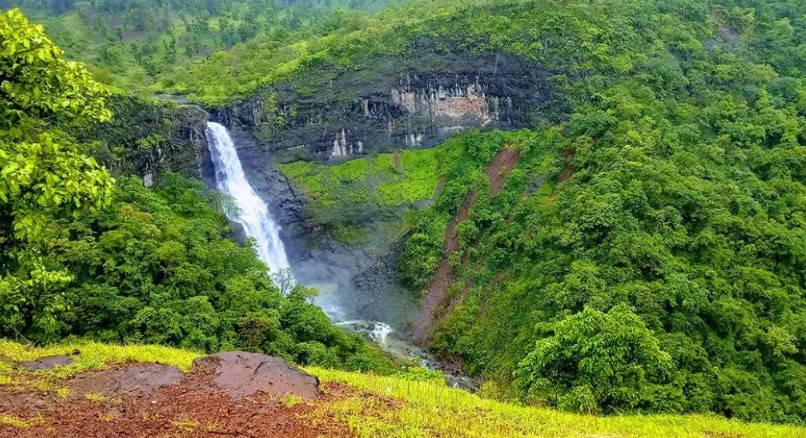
{"points": [[252, 213]]}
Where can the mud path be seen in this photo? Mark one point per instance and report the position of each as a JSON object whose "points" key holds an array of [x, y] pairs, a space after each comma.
{"points": [[436, 304]]}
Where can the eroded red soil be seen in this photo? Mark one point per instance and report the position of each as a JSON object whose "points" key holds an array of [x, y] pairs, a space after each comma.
{"points": [[234, 394], [436, 303]]}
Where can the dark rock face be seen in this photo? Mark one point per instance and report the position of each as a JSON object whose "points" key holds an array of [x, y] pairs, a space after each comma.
{"points": [[241, 374], [402, 105], [149, 138]]}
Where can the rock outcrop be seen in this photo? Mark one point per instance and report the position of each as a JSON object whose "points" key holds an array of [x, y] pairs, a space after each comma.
{"points": [[149, 138], [46, 363], [228, 394], [401, 105], [241, 374]]}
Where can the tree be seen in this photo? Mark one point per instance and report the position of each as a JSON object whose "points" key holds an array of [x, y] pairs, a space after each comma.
{"points": [[44, 175], [37, 81], [596, 362]]}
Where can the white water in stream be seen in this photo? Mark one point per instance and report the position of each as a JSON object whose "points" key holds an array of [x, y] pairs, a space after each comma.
{"points": [[252, 213]]}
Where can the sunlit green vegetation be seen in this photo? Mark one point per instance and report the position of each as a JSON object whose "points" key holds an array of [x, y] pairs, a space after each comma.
{"points": [[388, 180], [137, 45], [429, 408]]}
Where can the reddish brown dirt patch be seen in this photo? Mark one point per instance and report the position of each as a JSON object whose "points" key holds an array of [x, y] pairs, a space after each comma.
{"points": [[569, 168], [241, 374], [144, 378], [500, 167], [195, 406], [46, 363], [435, 302], [566, 174]]}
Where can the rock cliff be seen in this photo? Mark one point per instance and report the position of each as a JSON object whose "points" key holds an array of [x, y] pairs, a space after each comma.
{"points": [[148, 138], [401, 104]]}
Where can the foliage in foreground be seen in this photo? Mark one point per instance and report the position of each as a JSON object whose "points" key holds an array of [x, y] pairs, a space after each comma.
{"points": [[45, 176]]}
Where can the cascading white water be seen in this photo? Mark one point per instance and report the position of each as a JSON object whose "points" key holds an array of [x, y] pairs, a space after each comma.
{"points": [[253, 214]]}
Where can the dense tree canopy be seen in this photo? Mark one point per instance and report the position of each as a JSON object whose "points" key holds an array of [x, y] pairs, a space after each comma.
{"points": [[45, 176], [669, 200], [137, 44]]}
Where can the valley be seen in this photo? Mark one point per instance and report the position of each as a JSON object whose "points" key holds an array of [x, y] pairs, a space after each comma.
{"points": [[586, 214]]}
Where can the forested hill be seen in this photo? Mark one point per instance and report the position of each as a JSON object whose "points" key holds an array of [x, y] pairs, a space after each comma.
{"points": [[137, 44], [636, 245], [646, 251]]}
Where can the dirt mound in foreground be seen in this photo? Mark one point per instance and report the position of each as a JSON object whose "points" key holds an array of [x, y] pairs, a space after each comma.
{"points": [[229, 394], [242, 374], [144, 378]]}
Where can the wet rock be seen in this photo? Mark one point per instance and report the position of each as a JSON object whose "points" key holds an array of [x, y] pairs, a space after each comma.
{"points": [[142, 378], [156, 136], [46, 363], [241, 374]]}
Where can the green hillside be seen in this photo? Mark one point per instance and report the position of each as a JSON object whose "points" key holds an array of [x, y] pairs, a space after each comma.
{"points": [[662, 212], [139, 44], [629, 248]]}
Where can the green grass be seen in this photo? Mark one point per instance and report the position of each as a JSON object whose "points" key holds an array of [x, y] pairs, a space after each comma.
{"points": [[427, 408], [93, 356], [382, 180]]}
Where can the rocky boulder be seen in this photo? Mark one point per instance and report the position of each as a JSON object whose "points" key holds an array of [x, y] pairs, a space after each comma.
{"points": [[241, 374]]}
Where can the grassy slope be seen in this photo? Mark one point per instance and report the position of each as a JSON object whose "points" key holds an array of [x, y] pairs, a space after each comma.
{"points": [[382, 180], [424, 408], [341, 196]]}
